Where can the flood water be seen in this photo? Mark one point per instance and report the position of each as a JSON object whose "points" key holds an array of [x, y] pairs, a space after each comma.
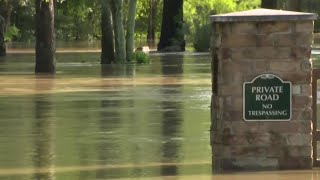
{"points": [[109, 122], [93, 122]]}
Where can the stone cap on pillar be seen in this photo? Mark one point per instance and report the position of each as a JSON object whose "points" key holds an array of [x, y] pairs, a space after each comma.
{"points": [[262, 15]]}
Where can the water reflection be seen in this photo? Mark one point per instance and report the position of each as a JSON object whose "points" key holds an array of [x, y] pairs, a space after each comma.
{"points": [[171, 116], [3, 61], [43, 128], [172, 65], [117, 70], [108, 147], [115, 122], [83, 150], [109, 122]]}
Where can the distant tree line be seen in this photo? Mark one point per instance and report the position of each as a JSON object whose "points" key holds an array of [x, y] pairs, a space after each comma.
{"points": [[117, 23], [80, 19], [295, 5]]}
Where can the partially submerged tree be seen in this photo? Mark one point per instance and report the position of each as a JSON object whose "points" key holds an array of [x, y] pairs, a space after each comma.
{"points": [[107, 45], [45, 37], [172, 33], [124, 45], [130, 29], [120, 41]]}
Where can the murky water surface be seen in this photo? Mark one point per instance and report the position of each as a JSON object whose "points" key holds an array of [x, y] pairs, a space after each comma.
{"points": [[110, 122], [93, 122]]}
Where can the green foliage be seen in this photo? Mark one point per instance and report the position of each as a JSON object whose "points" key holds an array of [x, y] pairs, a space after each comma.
{"points": [[201, 42], [196, 16], [22, 17], [11, 33], [142, 17], [78, 20], [140, 57], [196, 12]]}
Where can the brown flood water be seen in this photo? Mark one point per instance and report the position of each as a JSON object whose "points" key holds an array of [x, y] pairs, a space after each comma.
{"points": [[111, 122]]}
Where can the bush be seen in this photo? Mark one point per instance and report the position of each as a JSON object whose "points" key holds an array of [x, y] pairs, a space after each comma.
{"points": [[201, 41], [140, 57], [12, 32]]}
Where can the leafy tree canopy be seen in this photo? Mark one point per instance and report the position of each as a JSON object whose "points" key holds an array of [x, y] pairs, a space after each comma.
{"points": [[80, 19]]}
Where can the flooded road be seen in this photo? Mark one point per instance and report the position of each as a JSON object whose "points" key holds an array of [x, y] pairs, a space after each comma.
{"points": [[110, 122]]}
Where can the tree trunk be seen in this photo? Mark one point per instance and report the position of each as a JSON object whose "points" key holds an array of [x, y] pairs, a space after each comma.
{"points": [[130, 29], [151, 35], [107, 47], [8, 15], [294, 5], [269, 4], [45, 37], [117, 14], [2, 43], [113, 15], [172, 35]]}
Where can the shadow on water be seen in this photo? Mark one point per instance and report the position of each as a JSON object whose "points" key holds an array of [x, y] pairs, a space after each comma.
{"points": [[43, 133], [172, 115]]}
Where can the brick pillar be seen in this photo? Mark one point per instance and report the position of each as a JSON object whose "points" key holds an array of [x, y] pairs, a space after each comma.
{"points": [[244, 46]]}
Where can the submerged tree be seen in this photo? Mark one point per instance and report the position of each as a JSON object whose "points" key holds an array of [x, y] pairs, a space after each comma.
{"points": [[2, 43], [45, 36], [120, 41], [172, 33], [124, 45], [107, 45], [130, 29]]}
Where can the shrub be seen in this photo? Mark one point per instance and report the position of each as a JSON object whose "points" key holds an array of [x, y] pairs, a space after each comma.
{"points": [[201, 41], [11, 33], [140, 57]]}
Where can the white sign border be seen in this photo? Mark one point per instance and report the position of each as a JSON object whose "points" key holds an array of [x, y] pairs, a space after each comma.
{"points": [[267, 75]]}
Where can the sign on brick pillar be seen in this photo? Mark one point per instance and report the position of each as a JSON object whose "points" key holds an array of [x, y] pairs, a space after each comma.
{"points": [[267, 98], [261, 74]]}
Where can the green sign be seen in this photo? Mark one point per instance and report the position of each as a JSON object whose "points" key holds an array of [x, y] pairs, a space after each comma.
{"points": [[267, 98]]}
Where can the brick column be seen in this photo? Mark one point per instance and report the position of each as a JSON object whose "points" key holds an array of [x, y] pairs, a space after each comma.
{"points": [[244, 46]]}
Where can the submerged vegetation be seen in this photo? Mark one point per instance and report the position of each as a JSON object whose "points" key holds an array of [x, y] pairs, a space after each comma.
{"points": [[140, 57]]}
